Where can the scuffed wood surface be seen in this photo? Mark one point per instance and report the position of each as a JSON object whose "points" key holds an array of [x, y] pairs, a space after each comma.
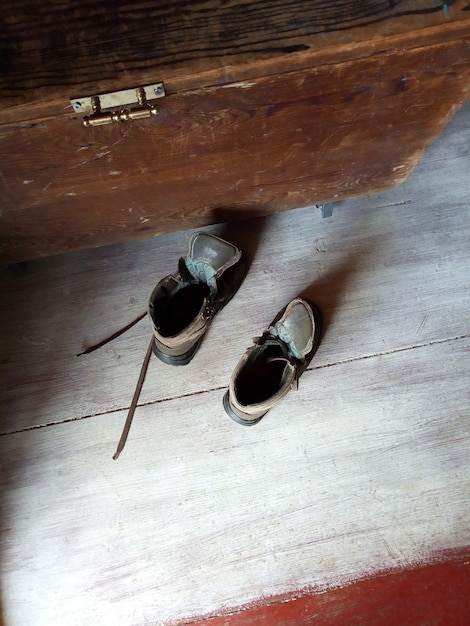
{"points": [[72, 46], [270, 106], [365, 468], [325, 133]]}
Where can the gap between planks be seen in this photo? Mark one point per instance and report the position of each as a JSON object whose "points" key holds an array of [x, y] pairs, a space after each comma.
{"points": [[194, 394]]}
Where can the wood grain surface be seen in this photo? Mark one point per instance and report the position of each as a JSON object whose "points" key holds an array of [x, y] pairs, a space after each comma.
{"points": [[365, 469], [70, 46], [252, 148]]}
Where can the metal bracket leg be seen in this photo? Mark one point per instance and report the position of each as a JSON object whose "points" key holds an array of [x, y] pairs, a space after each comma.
{"points": [[326, 209]]}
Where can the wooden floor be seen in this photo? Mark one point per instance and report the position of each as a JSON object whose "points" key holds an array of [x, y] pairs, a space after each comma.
{"points": [[366, 468]]}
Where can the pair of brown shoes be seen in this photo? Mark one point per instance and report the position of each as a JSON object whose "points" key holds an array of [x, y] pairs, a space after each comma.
{"points": [[182, 307]]}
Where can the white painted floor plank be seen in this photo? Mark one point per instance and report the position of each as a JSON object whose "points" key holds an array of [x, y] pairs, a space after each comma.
{"points": [[366, 467], [389, 271]]}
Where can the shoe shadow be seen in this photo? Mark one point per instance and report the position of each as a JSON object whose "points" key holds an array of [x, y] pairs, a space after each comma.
{"points": [[330, 290], [245, 232]]}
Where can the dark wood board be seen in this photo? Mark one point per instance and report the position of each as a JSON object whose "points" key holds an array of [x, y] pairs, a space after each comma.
{"points": [[51, 50], [283, 107]]}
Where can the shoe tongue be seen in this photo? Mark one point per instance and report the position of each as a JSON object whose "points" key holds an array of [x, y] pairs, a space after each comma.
{"points": [[280, 332], [200, 271]]}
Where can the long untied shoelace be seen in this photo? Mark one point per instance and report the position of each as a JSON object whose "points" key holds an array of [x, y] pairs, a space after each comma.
{"points": [[135, 399], [140, 381]]}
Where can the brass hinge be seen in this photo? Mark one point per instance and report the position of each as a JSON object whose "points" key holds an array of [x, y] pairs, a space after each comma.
{"points": [[116, 106]]}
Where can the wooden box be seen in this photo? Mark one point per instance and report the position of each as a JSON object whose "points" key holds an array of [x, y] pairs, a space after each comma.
{"points": [[269, 105]]}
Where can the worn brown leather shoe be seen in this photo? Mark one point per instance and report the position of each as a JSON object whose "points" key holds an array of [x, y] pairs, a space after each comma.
{"points": [[273, 366], [182, 306]]}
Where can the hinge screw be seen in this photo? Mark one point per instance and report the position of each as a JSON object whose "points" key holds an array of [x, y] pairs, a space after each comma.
{"points": [[77, 106]]}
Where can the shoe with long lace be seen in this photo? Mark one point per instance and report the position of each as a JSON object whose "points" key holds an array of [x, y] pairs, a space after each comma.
{"points": [[183, 305]]}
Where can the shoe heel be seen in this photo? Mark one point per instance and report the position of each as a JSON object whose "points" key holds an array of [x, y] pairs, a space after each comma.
{"points": [[235, 417], [181, 359]]}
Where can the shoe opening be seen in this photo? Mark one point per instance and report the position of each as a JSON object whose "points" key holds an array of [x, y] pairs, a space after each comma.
{"points": [[261, 377], [175, 312]]}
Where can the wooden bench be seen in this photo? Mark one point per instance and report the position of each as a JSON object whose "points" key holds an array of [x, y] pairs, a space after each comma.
{"points": [[268, 106]]}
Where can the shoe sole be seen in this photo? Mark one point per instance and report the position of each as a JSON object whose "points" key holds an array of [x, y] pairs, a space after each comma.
{"points": [[181, 359], [234, 416]]}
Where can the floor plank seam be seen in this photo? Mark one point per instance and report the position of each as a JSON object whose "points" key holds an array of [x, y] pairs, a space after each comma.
{"points": [[390, 352], [221, 388], [394, 204], [109, 411], [57, 423]]}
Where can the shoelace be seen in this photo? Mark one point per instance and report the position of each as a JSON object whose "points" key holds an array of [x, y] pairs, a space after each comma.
{"points": [[135, 399], [140, 381], [115, 335]]}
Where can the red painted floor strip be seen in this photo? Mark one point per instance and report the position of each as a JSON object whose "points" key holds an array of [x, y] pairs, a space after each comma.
{"points": [[433, 595]]}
